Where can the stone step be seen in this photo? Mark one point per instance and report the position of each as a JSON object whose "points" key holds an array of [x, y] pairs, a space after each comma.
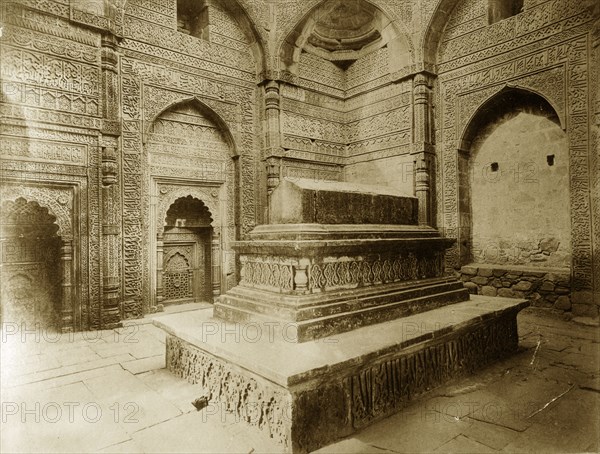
{"points": [[341, 311]]}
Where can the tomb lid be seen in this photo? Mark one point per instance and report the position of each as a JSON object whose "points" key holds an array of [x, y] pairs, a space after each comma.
{"points": [[342, 186], [305, 201]]}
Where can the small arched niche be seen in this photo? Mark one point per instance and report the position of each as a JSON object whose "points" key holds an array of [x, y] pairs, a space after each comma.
{"points": [[514, 177], [187, 261], [31, 271]]}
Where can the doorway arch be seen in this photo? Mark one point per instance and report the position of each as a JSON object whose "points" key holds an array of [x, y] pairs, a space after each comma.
{"points": [[185, 261]]}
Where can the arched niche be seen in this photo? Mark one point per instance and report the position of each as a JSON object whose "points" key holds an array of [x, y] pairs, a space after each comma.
{"points": [[59, 203], [209, 111], [513, 171], [187, 248], [36, 266], [192, 156]]}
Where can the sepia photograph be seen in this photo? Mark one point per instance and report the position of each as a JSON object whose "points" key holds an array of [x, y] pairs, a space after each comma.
{"points": [[300, 226]]}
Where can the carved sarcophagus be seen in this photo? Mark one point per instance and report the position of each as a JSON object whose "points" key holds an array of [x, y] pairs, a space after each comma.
{"points": [[339, 256]]}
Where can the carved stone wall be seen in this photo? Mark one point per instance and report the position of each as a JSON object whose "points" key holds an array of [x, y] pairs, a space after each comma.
{"points": [[160, 68], [83, 84], [543, 49]]}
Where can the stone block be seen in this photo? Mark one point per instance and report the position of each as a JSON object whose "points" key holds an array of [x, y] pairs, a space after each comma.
{"points": [[486, 272], [488, 291], [514, 275], [480, 280], [585, 310], [539, 258], [471, 287], [499, 273], [507, 284], [523, 286], [563, 303], [549, 245], [582, 298], [506, 293], [551, 297], [562, 290], [469, 270], [496, 283], [320, 395], [304, 201], [547, 286]]}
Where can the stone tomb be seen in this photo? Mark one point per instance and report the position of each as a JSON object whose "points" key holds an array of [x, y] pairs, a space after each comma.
{"points": [[342, 314]]}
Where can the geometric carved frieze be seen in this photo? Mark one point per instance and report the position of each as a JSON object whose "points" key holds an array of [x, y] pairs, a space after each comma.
{"points": [[43, 151]]}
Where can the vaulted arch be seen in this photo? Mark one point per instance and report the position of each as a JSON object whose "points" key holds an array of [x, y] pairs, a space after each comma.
{"points": [[343, 31]]}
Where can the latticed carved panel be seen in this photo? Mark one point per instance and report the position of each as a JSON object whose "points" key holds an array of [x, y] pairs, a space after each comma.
{"points": [[177, 278], [364, 272], [271, 273]]}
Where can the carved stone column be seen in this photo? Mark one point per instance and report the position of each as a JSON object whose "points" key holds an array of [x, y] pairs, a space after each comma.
{"points": [[273, 135], [423, 152], [66, 312], [111, 314], [160, 249], [273, 174], [423, 172], [110, 193], [215, 258]]}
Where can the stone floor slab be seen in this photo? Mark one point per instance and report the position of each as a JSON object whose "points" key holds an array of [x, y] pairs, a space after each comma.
{"points": [[464, 444], [144, 365], [134, 405]]}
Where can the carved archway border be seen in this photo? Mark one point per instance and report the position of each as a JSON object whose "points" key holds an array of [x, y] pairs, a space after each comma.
{"points": [[577, 120], [472, 104], [225, 115], [58, 201], [169, 193]]}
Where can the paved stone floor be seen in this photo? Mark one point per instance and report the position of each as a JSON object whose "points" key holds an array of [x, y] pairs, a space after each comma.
{"points": [[108, 392]]}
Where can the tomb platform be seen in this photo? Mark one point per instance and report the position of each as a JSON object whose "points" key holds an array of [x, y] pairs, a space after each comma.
{"points": [[307, 395], [339, 256], [343, 313]]}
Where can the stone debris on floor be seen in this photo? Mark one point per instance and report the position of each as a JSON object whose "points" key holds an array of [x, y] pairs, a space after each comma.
{"points": [[108, 391]]}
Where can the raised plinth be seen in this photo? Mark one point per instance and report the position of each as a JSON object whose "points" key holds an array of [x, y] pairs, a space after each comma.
{"points": [[306, 395], [342, 256], [328, 279]]}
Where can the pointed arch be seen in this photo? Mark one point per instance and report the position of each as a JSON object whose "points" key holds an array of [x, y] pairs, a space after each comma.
{"points": [[210, 112], [434, 30], [511, 96], [255, 41]]}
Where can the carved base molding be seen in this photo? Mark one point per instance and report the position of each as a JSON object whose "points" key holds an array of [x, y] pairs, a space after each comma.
{"points": [[329, 279], [306, 395]]}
